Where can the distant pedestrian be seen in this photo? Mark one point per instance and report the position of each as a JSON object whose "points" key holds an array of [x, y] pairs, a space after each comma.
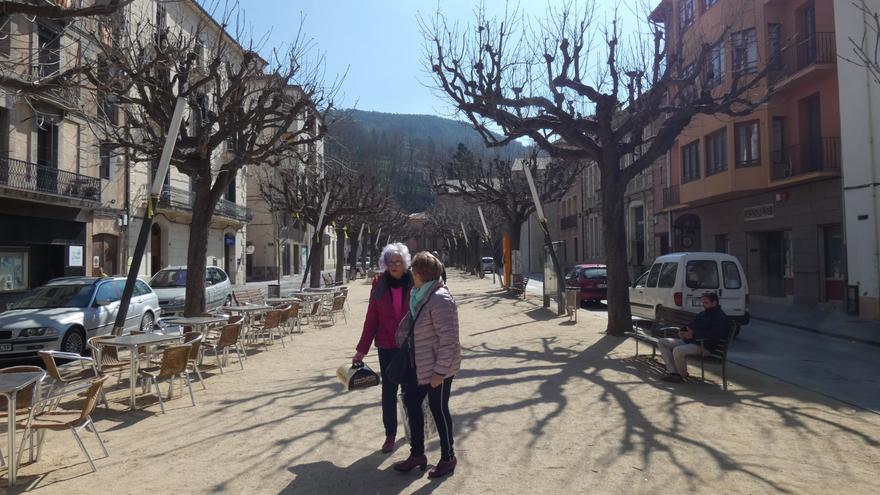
{"points": [[389, 302], [711, 326], [433, 318]]}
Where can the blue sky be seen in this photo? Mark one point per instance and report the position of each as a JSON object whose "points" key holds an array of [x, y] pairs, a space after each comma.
{"points": [[377, 42]]}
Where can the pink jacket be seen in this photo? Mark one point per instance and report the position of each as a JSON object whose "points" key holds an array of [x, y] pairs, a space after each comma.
{"points": [[436, 343], [381, 322]]}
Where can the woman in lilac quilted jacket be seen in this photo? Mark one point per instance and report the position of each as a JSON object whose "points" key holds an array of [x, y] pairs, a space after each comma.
{"points": [[433, 318], [389, 301]]}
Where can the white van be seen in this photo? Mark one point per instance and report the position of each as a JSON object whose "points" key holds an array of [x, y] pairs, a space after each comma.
{"points": [[677, 281]]}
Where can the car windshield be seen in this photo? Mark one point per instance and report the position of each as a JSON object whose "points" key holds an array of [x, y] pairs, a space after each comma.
{"points": [[57, 296], [595, 272], [169, 278]]}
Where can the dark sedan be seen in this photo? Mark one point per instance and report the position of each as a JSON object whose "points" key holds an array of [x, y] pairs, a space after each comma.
{"points": [[592, 279]]}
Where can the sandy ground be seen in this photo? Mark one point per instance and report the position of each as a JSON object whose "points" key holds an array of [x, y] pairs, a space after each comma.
{"points": [[540, 406]]}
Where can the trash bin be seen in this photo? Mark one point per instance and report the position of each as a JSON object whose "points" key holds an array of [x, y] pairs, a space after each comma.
{"points": [[572, 301], [274, 290]]}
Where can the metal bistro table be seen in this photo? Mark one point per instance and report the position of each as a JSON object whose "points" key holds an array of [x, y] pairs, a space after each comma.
{"points": [[283, 300], [10, 385], [196, 322], [133, 342]]}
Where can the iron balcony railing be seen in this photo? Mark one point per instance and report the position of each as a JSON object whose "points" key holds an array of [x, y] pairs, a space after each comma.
{"points": [[820, 48], [670, 196], [25, 176], [820, 155], [568, 222], [181, 199]]}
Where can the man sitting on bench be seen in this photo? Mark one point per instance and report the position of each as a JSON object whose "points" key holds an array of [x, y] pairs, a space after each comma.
{"points": [[710, 326]]}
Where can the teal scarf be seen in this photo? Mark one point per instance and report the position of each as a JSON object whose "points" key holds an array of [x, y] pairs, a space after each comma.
{"points": [[417, 295]]}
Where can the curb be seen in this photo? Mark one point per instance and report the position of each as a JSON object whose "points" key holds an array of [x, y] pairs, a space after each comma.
{"points": [[873, 343]]}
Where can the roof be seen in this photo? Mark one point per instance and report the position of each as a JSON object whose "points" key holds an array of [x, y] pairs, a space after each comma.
{"points": [[73, 280], [590, 265]]}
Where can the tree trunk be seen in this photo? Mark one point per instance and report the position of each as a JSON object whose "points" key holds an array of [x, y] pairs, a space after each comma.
{"points": [[316, 259], [614, 225], [197, 250], [515, 229], [340, 255], [353, 254]]}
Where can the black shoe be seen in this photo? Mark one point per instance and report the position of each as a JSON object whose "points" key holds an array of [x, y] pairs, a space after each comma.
{"points": [[672, 377]]}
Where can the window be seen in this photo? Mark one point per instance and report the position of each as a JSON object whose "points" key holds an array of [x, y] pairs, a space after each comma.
{"points": [[774, 45], [13, 271], [49, 51], [708, 3], [716, 66], [108, 292], [685, 13], [141, 288], [721, 243], [702, 274], [5, 39], [690, 162], [716, 151], [787, 254], [748, 151], [654, 274], [745, 51], [638, 235], [777, 140], [667, 275], [105, 157], [640, 282], [730, 272]]}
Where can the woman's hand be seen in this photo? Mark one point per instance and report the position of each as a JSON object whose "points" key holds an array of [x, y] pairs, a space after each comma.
{"points": [[436, 380], [358, 357]]}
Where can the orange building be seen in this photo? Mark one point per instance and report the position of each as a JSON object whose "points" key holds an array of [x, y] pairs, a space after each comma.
{"points": [[764, 187]]}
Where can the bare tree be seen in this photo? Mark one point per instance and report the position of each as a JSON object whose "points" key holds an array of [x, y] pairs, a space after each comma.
{"points": [[243, 110], [28, 72], [502, 184], [556, 85], [303, 191], [866, 51]]}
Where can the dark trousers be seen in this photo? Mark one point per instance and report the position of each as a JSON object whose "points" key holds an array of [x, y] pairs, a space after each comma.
{"points": [[389, 393], [438, 400]]}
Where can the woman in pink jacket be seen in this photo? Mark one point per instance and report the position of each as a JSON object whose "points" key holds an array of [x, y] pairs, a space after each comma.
{"points": [[433, 318], [388, 305]]}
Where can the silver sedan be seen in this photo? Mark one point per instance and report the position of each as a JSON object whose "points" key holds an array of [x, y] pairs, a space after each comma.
{"points": [[65, 312]]}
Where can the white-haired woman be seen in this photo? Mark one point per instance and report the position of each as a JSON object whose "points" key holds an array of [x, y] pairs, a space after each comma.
{"points": [[389, 303]]}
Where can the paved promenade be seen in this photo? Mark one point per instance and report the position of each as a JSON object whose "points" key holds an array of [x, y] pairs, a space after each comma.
{"points": [[540, 406]]}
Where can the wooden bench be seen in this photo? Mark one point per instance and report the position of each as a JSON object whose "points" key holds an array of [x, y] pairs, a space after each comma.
{"points": [[668, 323], [518, 284], [248, 296]]}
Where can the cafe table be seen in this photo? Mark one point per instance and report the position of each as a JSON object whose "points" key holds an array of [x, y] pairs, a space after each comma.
{"points": [[10, 385], [133, 343]]}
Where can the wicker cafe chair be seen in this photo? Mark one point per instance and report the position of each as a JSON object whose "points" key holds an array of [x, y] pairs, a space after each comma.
{"points": [[338, 306], [294, 317], [74, 421], [25, 399], [194, 339], [107, 356], [68, 380], [173, 365], [268, 327], [229, 339], [284, 323]]}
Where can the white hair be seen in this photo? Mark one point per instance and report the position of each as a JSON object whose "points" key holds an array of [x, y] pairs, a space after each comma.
{"points": [[392, 249]]}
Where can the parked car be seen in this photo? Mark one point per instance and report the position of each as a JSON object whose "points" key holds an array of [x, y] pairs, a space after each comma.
{"points": [[592, 279], [65, 312], [678, 280], [488, 264], [170, 285]]}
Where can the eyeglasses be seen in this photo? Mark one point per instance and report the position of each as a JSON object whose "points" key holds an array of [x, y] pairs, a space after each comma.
{"points": [[398, 262]]}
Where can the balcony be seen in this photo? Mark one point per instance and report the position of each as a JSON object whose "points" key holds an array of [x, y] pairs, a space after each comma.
{"points": [[568, 222], [671, 196], [803, 55], [182, 200], [822, 155], [46, 182]]}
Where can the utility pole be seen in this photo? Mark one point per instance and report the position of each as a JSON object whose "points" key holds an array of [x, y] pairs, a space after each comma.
{"points": [[147, 224]]}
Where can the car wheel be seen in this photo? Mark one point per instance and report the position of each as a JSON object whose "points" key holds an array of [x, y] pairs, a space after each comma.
{"points": [[147, 322], [74, 341]]}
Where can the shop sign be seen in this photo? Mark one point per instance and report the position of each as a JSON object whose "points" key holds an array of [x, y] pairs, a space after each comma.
{"points": [[75, 256], [759, 212]]}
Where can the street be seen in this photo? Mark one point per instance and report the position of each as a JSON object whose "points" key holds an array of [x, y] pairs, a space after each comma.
{"points": [[839, 368]]}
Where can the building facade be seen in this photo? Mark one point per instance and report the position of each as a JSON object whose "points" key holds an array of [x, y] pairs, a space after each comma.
{"points": [[764, 187]]}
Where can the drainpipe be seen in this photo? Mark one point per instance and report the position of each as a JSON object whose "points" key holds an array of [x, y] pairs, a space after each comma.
{"points": [[669, 213]]}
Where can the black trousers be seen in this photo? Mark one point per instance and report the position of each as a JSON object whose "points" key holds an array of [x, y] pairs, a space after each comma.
{"points": [[389, 393], [438, 400]]}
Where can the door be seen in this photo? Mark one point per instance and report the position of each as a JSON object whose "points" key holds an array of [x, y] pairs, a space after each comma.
{"points": [[732, 294], [155, 249], [832, 265], [637, 304], [105, 307], [104, 247], [701, 275], [811, 131], [228, 252], [210, 289], [47, 156]]}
